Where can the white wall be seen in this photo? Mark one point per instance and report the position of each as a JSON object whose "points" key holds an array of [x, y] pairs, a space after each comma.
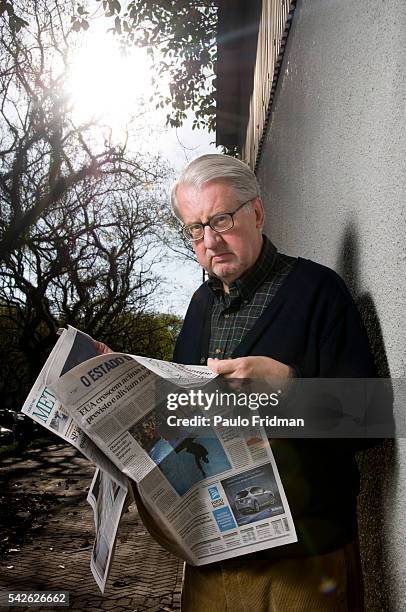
{"points": [[333, 175]]}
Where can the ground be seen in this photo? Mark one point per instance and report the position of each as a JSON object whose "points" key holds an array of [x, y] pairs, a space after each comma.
{"points": [[47, 531]]}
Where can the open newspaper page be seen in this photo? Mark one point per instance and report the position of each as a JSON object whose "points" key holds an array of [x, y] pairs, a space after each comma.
{"points": [[216, 492], [107, 499], [73, 347]]}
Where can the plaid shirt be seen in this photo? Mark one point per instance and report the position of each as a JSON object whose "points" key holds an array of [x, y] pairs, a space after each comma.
{"points": [[235, 313]]}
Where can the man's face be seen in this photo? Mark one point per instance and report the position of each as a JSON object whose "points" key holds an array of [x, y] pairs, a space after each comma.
{"points": [[229, 254]]}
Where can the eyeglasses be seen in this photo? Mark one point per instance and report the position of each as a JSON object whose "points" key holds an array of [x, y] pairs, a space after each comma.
{"points": [[222, 222]]}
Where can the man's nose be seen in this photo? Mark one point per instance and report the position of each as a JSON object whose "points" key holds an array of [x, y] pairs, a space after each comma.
{"points": [[210, 237]]}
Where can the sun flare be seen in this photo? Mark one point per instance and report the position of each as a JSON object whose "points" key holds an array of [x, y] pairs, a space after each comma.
{"points": [[106, 85]]}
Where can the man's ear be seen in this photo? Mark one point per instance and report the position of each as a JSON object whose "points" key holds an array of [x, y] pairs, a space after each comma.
{"points": [[258, 208]]}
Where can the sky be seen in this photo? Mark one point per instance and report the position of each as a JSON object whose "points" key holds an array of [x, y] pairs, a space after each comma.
{"points": [[100, 82]]}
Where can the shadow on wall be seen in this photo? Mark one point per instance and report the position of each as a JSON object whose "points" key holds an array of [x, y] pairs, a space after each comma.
{"points": [[348, 267], [378, 466]]}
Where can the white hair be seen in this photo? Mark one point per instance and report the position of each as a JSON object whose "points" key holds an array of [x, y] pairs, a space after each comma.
{"points": [[215, 166]]}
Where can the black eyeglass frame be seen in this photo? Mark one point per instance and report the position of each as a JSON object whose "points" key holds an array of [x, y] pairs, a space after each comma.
{"points": [[184, 228]]}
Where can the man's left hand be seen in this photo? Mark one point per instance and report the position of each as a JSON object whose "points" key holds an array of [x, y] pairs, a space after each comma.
{"points": [[102, 348], [250, 367]]}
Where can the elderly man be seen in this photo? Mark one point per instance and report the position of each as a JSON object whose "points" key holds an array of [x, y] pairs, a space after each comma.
{"points": [[261, 315]]}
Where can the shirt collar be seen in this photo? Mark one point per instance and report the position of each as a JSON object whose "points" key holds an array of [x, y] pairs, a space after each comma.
{"points": [[243, 288]]}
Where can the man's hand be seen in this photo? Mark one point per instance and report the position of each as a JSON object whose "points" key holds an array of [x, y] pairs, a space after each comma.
{"points": [[259, 368], [102, 348]]}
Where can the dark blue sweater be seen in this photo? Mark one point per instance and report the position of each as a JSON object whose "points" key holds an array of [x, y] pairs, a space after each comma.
{"points": [[313, 325]]}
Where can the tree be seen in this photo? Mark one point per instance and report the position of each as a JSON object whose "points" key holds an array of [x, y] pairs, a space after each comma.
{"points": [[181, 37], [15, 22], [78, 213], [38, 133], [148, 334]]}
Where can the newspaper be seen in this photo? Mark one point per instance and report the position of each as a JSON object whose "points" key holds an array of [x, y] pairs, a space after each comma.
{"points": [[108, 500], [42, 406], [213, 495]]}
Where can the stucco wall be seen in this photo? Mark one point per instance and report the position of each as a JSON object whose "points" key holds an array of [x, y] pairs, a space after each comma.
{"points": [[333, 175]]}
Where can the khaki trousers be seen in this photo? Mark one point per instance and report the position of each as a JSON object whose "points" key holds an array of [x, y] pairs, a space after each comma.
{"points": [[325, 583]]}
